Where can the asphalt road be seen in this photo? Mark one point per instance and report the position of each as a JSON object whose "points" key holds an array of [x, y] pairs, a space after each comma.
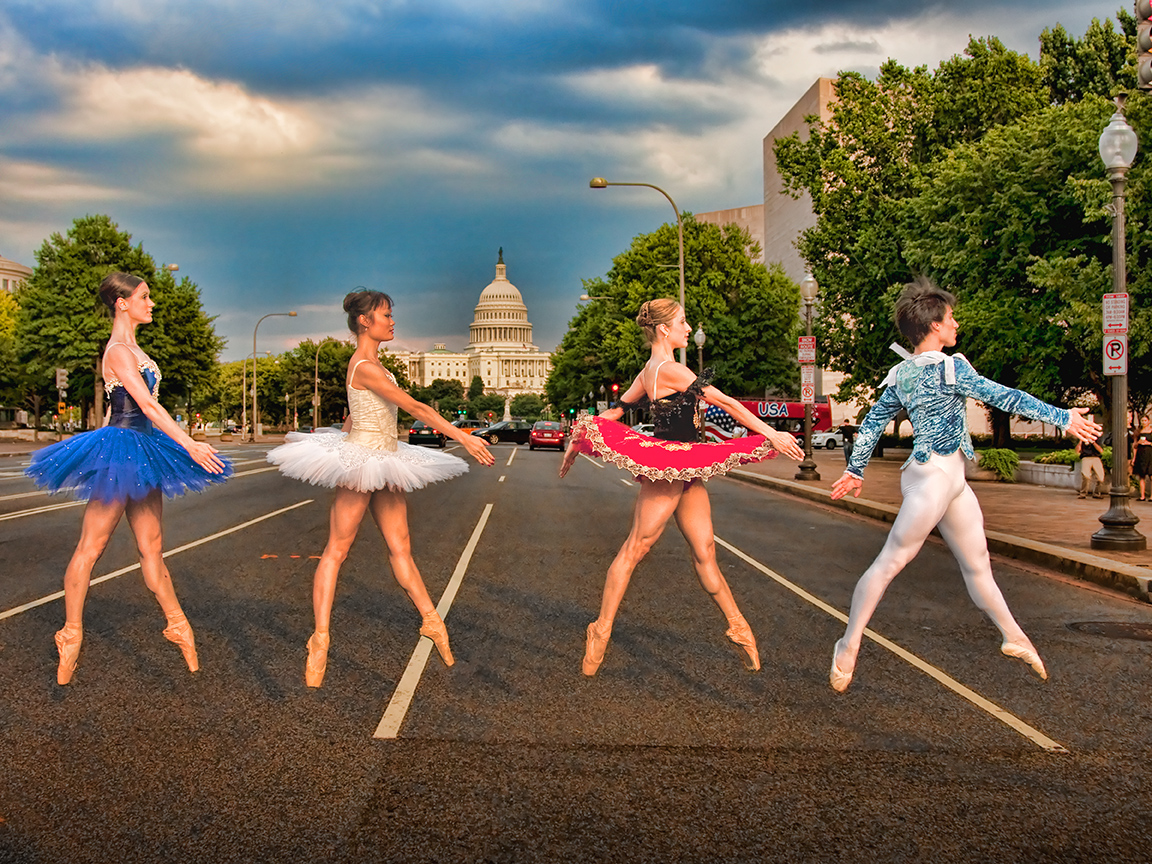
{"points": [[673, 752]]}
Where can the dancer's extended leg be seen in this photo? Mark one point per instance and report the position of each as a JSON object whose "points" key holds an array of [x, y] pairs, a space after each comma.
{"points": [[344, 520], [928, 490], [144, 517], [962, 528], [694, 519], [100, 520], [656, 502], [390, 510]]}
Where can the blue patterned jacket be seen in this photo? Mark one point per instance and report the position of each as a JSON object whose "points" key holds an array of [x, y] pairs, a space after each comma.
{"points": [[934, 388]]}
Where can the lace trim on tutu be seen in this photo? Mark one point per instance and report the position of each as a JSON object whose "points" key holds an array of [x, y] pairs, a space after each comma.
{"points": [[329, 459], [717, 459], [115, 464]]}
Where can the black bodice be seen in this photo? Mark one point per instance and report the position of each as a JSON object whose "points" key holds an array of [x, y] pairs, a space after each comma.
{"points": [[674, 415], [126, 414]]}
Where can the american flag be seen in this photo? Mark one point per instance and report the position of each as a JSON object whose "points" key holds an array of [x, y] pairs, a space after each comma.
{"points": [[720, 426]]}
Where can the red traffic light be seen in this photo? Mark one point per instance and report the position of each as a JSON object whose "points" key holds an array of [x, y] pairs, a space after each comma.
{"points": [[615, 388]]}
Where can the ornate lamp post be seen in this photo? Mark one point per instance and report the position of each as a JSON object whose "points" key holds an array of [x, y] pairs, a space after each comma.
{"points": [[699, 338], [809, 290], [254, 329], [601, 183], [1118, 145]]}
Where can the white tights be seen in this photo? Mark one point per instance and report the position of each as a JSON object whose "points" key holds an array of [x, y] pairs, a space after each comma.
{"points": [[935, 494]]}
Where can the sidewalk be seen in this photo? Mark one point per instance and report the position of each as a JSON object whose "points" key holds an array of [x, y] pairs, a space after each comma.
{"points": [[1044, 525]]}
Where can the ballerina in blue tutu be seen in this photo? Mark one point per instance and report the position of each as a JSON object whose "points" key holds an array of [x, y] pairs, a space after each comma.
{"points": [[124, 469]]}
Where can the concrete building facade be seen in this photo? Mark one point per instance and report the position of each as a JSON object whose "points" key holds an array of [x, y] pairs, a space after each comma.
{"points": [[12, 274]]}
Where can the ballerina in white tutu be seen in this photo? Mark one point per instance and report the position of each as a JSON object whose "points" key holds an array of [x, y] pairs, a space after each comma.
{"points": [[371, 470]]}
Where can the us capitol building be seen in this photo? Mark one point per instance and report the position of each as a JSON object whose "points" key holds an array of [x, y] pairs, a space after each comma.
{"points": [[500, 348]]}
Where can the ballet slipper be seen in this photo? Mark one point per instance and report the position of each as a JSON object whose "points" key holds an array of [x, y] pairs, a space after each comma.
{"points": [[433, 627], [1026, 652], [68, 645], [317, 659], [837, 677], [179, 632], [595, 646], [741, 634]]}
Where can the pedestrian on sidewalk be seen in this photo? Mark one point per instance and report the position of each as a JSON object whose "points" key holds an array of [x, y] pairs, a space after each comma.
{"points": [[934, 388], [1091, 468], [125, 469], [371, 470], [1142, 464], [669, 470]]}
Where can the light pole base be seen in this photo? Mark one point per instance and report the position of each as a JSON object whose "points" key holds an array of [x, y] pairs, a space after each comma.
{"points": [[1119, 533], [808, 471]]}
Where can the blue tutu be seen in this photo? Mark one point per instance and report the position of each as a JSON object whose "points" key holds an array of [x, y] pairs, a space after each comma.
{"points": [[115, 464]]}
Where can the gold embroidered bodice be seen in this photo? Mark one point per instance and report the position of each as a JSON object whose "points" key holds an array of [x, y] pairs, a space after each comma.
{"points": [[373, 420]]}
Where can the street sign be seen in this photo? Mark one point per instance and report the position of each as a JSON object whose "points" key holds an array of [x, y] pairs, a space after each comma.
{"points": [[807, 374], [808, 394], [1116, 313], [1116, 354], [806, 350]]}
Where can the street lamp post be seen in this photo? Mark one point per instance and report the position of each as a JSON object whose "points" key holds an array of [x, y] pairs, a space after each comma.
{"points": [[244, 390], [809, 290], [601, 183], [316, 382], [1118, 145], [255, 421]]}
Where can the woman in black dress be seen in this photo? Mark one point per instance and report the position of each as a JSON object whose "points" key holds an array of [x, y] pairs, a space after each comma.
{"points": [[1142, 463]]}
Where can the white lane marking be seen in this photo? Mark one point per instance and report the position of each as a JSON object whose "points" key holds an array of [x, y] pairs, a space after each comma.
{"points": [[36, 510], [389, 726], [593, 461], [512, 456], [1011, 720], [501, 480], [51, 507], [627, 482], [16, 610]]}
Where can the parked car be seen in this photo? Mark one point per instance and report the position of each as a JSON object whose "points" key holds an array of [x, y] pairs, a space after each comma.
{"points": [[547, 433], [827, 439], [468, 423], [516, 431], [644, 428], [422, 433]]}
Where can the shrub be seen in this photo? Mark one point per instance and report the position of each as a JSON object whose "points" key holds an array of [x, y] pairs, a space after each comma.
{"points": [[1003, 462], [1059, 457]]}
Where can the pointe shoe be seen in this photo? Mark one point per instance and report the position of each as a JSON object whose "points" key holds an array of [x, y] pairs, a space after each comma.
{"points": [[68, 645], [433, 627], [317, 659], [836, 676], [1027, 653], [179, 632], [741, 634], [594, 648]]}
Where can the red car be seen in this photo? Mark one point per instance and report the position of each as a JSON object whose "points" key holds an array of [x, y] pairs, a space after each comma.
{"points": [[547, 433]]}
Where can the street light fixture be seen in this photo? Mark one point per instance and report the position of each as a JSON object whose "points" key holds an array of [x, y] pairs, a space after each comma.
{"points": [[1118, 144], [601, 183], [255, 419], [699, 338], [586, 297], [809, 290]]}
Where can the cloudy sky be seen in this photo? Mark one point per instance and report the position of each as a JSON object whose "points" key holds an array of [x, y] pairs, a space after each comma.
{"points": [[283, 152]]}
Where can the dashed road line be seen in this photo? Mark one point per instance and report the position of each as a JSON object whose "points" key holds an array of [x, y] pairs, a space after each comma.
{"points": [[16, 610], [389, 726], [512, 455], [1010, 720], [19, 514], [593, 461]]}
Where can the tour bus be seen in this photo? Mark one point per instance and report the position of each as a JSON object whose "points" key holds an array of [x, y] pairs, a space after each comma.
{"points": [[785, 416]]}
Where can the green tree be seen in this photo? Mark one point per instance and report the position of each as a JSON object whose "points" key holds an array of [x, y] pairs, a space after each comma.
{"points": [[445, 394], [862, 167], [476, 388], [1099, 64], [527, 405], [62, 322], [489, 403], [749, 313]]}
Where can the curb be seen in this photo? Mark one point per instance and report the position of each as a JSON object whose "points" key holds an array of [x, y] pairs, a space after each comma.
{"points": [[1131, 580]]}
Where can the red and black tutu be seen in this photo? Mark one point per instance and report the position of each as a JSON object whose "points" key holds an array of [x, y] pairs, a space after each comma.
{"points": [[656, 459]]}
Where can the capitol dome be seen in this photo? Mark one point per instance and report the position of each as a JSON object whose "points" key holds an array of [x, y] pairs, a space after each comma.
{"points": [[501, 318]]}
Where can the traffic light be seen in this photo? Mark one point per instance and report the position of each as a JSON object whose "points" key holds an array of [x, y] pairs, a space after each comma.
{"points": [[1144, 44], [61, 407], [615, 389]]}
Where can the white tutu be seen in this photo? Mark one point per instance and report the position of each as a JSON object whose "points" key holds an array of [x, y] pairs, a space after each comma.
{"points": [[329, 459]]}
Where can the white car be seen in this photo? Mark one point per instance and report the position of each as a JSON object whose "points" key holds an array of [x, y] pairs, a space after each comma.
{"points": [[827, 439], [644, 428]]}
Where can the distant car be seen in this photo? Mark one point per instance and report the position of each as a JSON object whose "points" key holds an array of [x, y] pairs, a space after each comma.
{"points": [[304, 429], [547, 433], [468, 423], [644, 428], [827, 440], [516, 431], [422, 433]]}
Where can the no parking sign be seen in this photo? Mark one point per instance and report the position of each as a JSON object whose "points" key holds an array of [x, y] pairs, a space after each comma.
{"points": [[1116, 354]]}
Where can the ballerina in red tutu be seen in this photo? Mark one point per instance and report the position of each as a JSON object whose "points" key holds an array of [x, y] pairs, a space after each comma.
{"points": [[669, 467]]}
